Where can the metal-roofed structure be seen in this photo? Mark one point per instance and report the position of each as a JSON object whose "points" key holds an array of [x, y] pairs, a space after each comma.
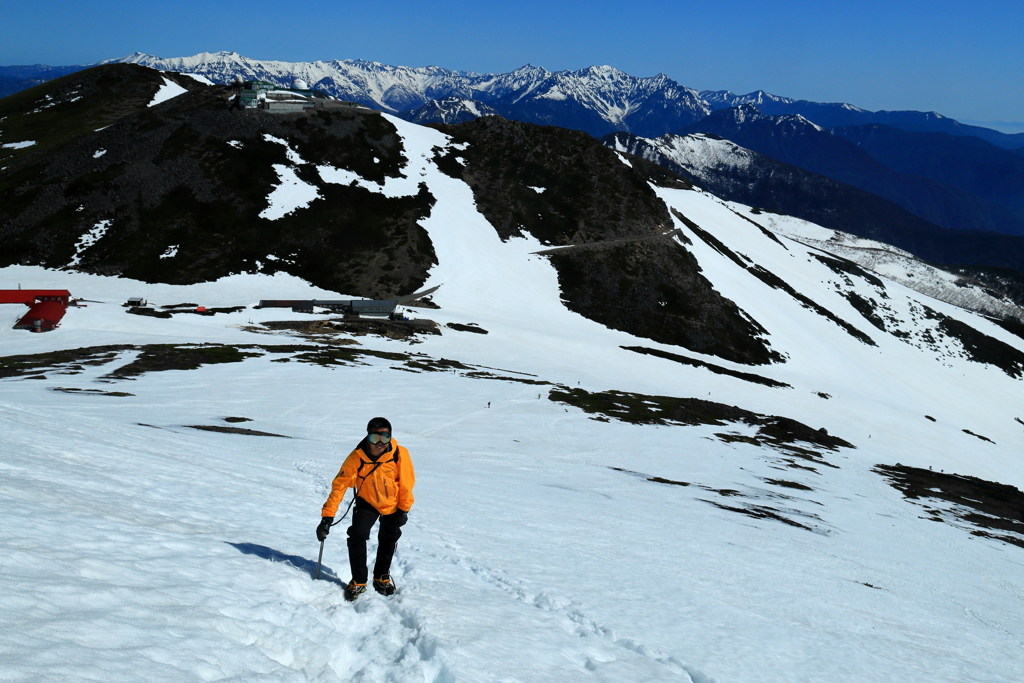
{"points": [[384, 308], [274, 98]]}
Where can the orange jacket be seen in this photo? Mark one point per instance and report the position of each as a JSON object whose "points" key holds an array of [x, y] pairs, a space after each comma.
{"points": [[388, 488]]}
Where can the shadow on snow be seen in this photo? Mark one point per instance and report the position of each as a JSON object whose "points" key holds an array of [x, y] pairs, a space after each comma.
{"points": [[307, 566]]}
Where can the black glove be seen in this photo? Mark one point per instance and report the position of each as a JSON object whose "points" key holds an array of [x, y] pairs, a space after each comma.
{"points": [[324, 528], [400, 516]]}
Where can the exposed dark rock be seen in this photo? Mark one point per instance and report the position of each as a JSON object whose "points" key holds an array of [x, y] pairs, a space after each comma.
{"points": [[160, 357], [788, 484], [760, 512], [654, 288], [665, 410], [980, 347], [392, 329], [149, 312], [467, 328], [90, 392], [866, 307], [986, 508], [235, 430], [717, 369], [841, 266], [755, 510], [14, 366], [979, 436]]}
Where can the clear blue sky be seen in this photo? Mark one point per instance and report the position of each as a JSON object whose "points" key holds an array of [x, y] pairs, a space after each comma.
{"points": [[965, 60]]}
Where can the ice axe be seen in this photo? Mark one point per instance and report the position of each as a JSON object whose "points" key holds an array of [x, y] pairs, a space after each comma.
{"points": [[320, 559]]}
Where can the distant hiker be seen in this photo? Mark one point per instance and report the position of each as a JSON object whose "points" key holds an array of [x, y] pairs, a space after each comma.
{"points": [[488, 404], [381, 473]]}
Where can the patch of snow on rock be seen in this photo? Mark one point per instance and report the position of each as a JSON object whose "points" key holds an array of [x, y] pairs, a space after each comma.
{"points": [[293, 156], [199, 77], [291, 193], [88, 239], [167, 91], [341, 176], [98, 153], [19, 145], [406, 185]]}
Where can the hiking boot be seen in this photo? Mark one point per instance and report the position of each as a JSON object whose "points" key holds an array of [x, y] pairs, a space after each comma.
{"points": [[384, 585], [353, 590]]}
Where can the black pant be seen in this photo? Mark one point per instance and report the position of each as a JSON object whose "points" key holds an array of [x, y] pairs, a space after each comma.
{"points": [[363, 517]]}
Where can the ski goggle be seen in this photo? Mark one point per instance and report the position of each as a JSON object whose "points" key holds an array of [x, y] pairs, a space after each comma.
{"points": [[379, 437]]}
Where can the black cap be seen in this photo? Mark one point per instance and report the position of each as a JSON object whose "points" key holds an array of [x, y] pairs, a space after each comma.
{"points": [[378, 423]]}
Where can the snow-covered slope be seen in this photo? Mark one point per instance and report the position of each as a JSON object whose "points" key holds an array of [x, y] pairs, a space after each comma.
{"points": [[710, 160], [894, 264], [560, 532], [621, 101], [724, 99], [698, 155], [448, 110]]}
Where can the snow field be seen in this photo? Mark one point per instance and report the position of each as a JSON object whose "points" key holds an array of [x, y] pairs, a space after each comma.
{"points": [[539, 548], [181, 553], [892, 384], [889, 262]]}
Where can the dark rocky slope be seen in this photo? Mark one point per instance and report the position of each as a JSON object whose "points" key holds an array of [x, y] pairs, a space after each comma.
{"points": [[169, 177]]}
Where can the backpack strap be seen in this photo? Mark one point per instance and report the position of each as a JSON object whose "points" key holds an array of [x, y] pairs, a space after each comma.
{"points": [[394, 459]]}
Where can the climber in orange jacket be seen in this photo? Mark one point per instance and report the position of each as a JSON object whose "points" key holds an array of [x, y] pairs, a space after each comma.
{"points": [[382, 475]]}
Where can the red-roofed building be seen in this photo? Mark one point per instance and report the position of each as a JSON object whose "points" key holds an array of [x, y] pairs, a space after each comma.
{"points": [[46, 307]]}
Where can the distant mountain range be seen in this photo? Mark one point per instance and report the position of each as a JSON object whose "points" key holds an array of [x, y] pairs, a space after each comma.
{"points": [[17, 78], [832, 115], [598, 100], [957, 182], [449, 110], [949, 174]]}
